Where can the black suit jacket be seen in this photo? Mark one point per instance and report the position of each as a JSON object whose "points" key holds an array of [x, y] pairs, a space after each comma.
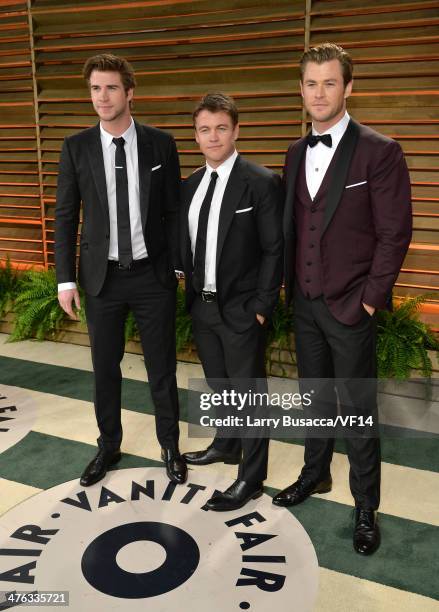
{"points": [[249, 247], [367, 222], [82, 178]]}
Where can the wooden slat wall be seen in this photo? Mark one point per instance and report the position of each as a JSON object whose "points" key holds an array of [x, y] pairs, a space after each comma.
{"points": [[248, 48], [395, 46], [21, 233], [179, 51]]}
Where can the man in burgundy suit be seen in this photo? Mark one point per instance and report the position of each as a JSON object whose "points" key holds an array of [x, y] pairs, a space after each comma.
{"points": [[347, 228]]}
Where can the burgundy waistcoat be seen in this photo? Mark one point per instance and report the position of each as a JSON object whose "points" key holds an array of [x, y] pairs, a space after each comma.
{"points": [[309, 217]]}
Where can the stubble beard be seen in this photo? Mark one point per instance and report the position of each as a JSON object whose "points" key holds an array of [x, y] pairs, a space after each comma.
{"points": [[332, 113], [116, 115]]}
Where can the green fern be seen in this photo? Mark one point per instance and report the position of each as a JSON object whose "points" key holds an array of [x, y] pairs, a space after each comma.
{"points": [[37, 311], [403, 341], [183, 323], [9, 286], [130, 327], [280, 334]]}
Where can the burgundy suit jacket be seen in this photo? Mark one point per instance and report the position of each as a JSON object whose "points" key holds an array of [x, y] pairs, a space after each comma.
{"points": [[367, 226]]}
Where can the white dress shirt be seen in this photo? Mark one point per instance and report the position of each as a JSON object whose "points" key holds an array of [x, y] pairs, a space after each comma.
{"points": [[223, 171], [109, 153], [319, 157]]}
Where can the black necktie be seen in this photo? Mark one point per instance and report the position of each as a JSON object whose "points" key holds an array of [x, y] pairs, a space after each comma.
{"points": [[200, 244], [122, 204], [326, 139]]}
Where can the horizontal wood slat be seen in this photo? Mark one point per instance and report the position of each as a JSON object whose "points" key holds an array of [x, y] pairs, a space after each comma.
{"points": [[180, 49], [20, 207]]}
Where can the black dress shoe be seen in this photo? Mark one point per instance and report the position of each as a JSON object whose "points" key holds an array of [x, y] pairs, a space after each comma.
{"points": [[236, 496], [211, 455], [175, 466], [300, 490], [97, 468], [366, 532]]}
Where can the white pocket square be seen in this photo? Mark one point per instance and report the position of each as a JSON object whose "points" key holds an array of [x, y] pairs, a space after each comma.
{"points": [[156, 167], [241, 210], [355, 184]]}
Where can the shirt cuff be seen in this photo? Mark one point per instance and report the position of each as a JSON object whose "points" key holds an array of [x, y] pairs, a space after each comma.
{"points": [[66, 286]]}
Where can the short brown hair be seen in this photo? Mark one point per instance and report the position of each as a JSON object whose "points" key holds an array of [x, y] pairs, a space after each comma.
{"points": [[215, 103], [106, 62], [325, 53]]}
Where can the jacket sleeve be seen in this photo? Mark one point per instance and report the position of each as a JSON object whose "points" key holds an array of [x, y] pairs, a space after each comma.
{"points": [[68, 204], [269, 224], [390, 197], [172, 203]]}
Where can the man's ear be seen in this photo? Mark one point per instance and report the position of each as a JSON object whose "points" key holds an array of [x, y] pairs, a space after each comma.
{"points": [[236, 131], [348, 89]]}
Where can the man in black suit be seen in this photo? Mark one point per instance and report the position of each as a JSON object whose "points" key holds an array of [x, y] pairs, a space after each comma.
{"points": [[347, 227], [231, 251], [127, 177]]}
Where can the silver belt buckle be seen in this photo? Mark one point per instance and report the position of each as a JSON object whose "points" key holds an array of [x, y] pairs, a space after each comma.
{"points": [[122, 267]]}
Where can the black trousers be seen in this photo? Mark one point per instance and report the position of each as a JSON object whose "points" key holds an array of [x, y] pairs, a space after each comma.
{"points": [[240, 359], [327, 348], [153, 307]]}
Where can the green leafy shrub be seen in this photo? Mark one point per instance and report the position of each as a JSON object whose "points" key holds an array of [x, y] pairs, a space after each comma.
{"points": [[403, 341], [183, 323], [280, 335], [9, 286], [37, 311]]}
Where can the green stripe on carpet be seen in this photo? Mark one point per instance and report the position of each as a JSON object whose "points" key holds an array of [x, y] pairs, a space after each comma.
{"points": [[421, 453], [408, 558], [43, 461]]}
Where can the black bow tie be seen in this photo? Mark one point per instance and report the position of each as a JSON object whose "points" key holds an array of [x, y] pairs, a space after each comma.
{"points": [[326, 139]]}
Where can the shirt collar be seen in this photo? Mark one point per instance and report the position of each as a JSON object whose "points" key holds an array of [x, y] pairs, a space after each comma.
{"points": [[336, 130], [225, 168], [128, 135]]}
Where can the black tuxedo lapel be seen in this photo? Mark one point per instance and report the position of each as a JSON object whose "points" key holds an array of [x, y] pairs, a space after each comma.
{"points": [[190, 186], [96, 159], [236, 185], [145, 157], [291, 185], [341, 168]]}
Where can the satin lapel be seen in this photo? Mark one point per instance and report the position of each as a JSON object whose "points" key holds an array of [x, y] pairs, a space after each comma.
{"points": [[291, 184], [340, 172], [96, 159], [190, 186], [236, 185], [145, 157]]}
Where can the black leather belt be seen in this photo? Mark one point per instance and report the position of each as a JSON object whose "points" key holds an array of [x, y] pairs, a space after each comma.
{"points": [[136, 263], [208, 296]]}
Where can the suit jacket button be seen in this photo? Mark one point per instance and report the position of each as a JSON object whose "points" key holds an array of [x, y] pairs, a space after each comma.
{"points": [[107, 236]]}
